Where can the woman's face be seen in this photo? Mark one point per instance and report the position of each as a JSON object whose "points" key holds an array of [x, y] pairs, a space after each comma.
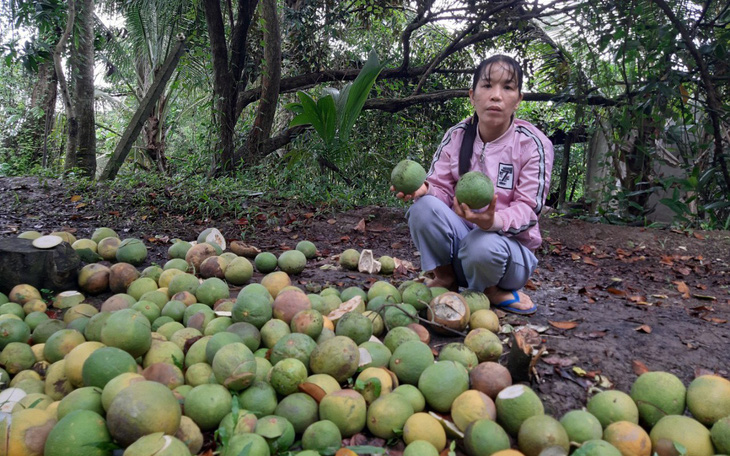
{"points": [[495, 99]]}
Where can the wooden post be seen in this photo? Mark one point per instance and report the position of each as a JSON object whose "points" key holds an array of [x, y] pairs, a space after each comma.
{"points": [[143, 111]]}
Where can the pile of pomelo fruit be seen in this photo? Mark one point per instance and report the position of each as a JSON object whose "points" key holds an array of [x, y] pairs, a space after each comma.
{"points": [[170, 361]]}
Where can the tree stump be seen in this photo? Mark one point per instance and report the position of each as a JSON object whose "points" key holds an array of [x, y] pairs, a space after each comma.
{"points": [[52, 269]]}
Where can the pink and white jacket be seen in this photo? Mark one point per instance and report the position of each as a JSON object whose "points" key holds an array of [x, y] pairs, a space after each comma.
{"points": [[519, 163]]}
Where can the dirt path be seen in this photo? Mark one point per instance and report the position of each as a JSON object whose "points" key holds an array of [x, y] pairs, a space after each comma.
{"points": [[613, 300]]}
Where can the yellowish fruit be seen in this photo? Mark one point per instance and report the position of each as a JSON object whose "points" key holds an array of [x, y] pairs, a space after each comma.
{"points": [[422, 426], [629, 438], [708, 398], [472, 405]]}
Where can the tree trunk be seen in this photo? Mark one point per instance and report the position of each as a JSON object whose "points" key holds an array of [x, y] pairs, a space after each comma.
{"points": [[227, 74], [271, 76], [83, 74], [39, 120], [563, 186]]}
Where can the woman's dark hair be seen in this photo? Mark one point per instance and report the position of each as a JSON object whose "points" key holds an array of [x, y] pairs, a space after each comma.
{"points": [[482, 70]]}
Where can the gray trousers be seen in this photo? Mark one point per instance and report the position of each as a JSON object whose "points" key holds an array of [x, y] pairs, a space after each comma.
{"points": [[480, 258]]}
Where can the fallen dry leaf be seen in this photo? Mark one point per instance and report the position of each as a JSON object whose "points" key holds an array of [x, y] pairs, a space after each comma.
{"points": [[331, 221], [616, 291], [563, 324], [360, 226], [644, 329], [75, 198], [587, 260], [574, 256], [698, 236], [639, 367], [714, 319], [705, 297], [309, 215], [555, 360], [682, 288]]}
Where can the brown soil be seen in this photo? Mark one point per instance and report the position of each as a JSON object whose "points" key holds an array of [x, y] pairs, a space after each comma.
{"points": [[613, 300]]}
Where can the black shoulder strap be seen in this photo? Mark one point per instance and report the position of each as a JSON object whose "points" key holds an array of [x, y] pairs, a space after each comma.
{"points": [[467, 144]]}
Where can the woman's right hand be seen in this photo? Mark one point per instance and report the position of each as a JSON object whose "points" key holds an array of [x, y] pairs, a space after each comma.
{"points": [[422, 190]]}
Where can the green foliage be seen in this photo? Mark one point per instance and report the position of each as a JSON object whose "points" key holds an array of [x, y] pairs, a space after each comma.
{"points": [[334, 114]]}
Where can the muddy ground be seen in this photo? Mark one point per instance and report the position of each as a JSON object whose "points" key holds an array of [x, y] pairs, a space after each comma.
{"points": [[613, 300]]}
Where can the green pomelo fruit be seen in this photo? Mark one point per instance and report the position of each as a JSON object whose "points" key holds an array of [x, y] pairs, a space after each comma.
{"points": [[387, 414], [581, 426], [132, 251], [254, 308], [218, 341], [234, 366], [420, 448], [174, 309], [409, 360], [720, 434], [611, 406], [708, 398], [170, 328], [239, 271], [141, 286], [152, 272], [292, 262], [33, 319], [248, 444], [12, 330], [178, 250], [17, 357], [277, 431], [76, 358], [349, 259], [400, 315], [379, 353], [597, 447], [515, 404], [41, 333], [338, 357], [157, 444], [148, 309], [295, 345], [211, 290], [387, 264], [307, 248], [80, 433], [218, 324], [265, 262], [474, 189], [398, 335], [459, 352], [207, 404], [57, 384], [259, 398], [686, 431], [246, 422], [250, 335], [199, 374], [214, 266], [485, 437], [183, 282], [106, 363], [12, 308], [658, 394], [117, 384], [383, 288], [143, 408], [472, 405], [102, 233], [107, 248], [484, 344], [286, 375], [129, 330], [196, 352], [31, 235], [60, 343], [86, 398], [407, 176], [272, 331], [309, 322], [177, 263], [347, 409], [540, 432], [418, 295], [326, 382], [322, 436], [158, 297], [356, 326], [300, 409], [350, 292], [442, 382], [93, 279]]}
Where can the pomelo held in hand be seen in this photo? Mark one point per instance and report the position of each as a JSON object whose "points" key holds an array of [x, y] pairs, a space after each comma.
{"points": [[474, 189], [407, 176]]}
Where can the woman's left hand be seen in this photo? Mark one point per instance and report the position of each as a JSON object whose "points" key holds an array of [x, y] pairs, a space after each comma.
{"points": [[483, 220]]}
